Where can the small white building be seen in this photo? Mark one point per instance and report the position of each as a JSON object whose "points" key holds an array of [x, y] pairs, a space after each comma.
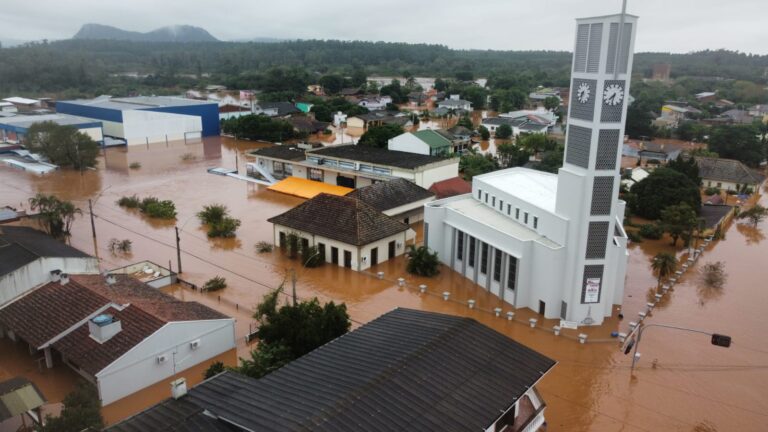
{"points": [[518, 125], [347, 232], [554, 243], [116, 332], [374, 103], [426, 142], [397, 198], [728, 174], [455, 103]]}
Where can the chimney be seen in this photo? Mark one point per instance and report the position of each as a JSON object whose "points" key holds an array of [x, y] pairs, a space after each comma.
{"points": [[179, 388], [110, 279], [64, 278], [55, 275], [103, 327]]}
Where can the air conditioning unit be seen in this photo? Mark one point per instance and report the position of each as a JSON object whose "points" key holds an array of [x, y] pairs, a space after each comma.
{"points": [[195, 344], [162, 359]]}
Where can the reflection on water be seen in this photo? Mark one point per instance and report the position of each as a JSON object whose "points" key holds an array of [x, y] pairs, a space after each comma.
{"points": [[751, 233], [591, 388]]}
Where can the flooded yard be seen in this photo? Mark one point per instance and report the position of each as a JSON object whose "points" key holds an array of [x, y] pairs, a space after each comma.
{"points": [[682, 383]]}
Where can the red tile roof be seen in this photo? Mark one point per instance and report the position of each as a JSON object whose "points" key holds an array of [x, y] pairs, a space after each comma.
{"points": [[91, 356], [49, 310], [451, 187]]}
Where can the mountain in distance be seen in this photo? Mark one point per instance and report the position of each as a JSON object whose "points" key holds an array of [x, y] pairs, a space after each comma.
{"points": [[177, 33]]}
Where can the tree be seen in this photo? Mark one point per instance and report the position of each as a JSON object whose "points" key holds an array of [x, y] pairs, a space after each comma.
{"points": [[504, 131], [472, 164], [54, 215], [552, 160], [214, 369], [220, 224], [679, 220], [379, 136], [82, 411], [485, 135], [713, 274], [215, 283], [687, 166], [62, 145], [639, 120], [511, 155], [551, 103], [440, 85], [737, 142], [422, 262], [332, 83], [536, 142], [359, 77], [663, 264], [756, 214], [289, 332], [464, 75], [466, 122], [662, 188]]}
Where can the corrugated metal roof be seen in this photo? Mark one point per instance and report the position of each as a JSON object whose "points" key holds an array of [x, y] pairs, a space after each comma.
{"points": [[18, 395]]}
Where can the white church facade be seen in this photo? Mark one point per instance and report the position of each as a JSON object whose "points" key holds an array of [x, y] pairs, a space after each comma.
{"points": [[554, 243]]}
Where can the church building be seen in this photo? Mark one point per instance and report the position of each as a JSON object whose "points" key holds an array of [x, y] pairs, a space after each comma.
{"points": [[554, 243]]}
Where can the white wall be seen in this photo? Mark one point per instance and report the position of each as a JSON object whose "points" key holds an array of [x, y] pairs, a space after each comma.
{"points": [[38, 272], [140, 126], [138, 368], [94, 133], [437, 172], [408, 142], [114, 129]]}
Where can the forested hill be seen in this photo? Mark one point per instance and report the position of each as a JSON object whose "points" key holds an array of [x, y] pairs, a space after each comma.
{"points": [[77, 67], [178, 33]]}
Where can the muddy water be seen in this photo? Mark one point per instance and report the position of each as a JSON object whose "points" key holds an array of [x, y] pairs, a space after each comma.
{"points": [[694, 386]]}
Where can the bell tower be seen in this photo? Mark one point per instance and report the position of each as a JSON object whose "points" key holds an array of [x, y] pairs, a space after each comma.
{"points": [[588, 182]]}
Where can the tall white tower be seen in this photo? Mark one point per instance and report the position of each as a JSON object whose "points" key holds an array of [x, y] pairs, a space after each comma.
{"points": [[588, 182]]}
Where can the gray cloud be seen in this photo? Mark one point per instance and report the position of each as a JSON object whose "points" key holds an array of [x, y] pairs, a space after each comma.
{"points": [[665, 25]]}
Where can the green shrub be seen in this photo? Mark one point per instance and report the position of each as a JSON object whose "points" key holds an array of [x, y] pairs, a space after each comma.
{"points": [[226, 227], [156, 208], [422, 262], [651, 231], [634, 237], [215, 283], [214, 369], [212, 213], [263, 247], [311, 256], [129, 201], [711, 191]]}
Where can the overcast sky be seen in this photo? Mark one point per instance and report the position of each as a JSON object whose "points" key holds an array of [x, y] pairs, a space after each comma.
{"points": [[665, 25]]}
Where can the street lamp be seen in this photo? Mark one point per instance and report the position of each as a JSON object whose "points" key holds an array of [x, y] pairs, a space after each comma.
{"points": [[720, 340]]}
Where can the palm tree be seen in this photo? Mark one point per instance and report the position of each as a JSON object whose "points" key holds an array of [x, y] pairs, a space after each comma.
{"points": [[663, 264], [422, 262], [56, 216]]}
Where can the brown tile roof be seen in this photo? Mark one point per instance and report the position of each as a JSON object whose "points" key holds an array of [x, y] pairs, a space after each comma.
{"points": [[451, 187], [91, 356], [49, 310], [341, 218], [390, 194], [155, 302]]}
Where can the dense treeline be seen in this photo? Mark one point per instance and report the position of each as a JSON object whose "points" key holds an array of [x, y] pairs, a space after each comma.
{"points": [[86, 67]]}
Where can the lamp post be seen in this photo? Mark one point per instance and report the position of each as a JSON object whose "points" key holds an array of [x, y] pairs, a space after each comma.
{"points": [[717, 339]]}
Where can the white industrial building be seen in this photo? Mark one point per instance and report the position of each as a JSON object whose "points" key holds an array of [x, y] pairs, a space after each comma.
{"points": [[554, 243], [148, 119]]}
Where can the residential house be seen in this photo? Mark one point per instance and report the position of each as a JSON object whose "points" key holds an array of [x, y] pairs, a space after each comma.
{"points": [[229, 111], [117, 332], [738, 116], [397, 198], [406, 370], [417, 98], [350, 165], [307, 125], [379, 118], [538, 96], [426, 142], [706, 97], [275, 109], [375, 102], [347, 232], [518, 125], [728, 174], [459, 136], [28, 257], [759, 112], [23, 104], [538, 116], [660, 152], [672, 115], [454, 103]]}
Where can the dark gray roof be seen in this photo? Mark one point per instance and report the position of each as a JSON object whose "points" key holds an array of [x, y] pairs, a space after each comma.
{"points": [[180, 415], [284, 152], [22, 245], [378, 156], [283, 108], [498, 121], [728, 170], [406, 370], [390, 194], [340, 218]]}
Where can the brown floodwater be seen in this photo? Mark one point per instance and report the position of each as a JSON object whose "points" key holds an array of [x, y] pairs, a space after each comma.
{"points": [[682, 383]]}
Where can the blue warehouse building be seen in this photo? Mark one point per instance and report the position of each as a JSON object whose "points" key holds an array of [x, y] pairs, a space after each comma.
{"points": [[146, 119], [14, 129]]}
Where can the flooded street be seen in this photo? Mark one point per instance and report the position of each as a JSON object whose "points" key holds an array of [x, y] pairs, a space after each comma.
{"points": [[693, 387]]}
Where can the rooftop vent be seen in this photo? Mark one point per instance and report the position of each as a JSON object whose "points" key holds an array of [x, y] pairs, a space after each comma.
{"points": [[179, 388], [55, 275], [103, 327], [64, 278], [110, 279]]}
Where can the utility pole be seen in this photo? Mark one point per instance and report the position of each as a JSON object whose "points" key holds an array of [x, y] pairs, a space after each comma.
{"points": [[93, 224], [178, 249], [720, 340]]}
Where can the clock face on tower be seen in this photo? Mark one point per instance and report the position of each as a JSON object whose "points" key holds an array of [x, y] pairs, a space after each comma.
{"points": [[583, 93], [613, 94]]}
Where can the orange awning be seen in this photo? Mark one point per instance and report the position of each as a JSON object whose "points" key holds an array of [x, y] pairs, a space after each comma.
{"points": [[307, 188]]}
